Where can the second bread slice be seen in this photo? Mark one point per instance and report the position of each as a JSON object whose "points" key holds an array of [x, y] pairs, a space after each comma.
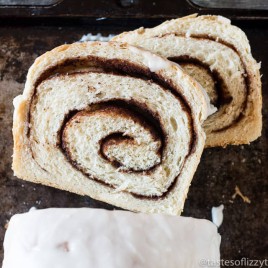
{"points": [[217, 54]]}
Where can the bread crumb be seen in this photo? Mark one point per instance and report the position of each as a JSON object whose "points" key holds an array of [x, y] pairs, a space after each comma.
{"points": [[239, 193]]}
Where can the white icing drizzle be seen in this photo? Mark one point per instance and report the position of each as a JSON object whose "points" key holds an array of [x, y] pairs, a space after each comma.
{"points": [[217, 215], [211, 109], [17, 100], [154, 62], [98, 238], [97, 37]]}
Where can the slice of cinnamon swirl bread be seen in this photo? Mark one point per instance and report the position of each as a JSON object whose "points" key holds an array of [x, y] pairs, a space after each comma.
{"points": [[217, 54], [111, 121]]}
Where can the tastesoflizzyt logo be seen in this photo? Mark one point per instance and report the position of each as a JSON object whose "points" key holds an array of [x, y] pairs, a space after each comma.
{"points": [[244, 262]]}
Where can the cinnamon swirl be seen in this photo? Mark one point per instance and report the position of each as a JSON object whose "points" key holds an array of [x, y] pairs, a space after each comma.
{"points": [[111, 121]]}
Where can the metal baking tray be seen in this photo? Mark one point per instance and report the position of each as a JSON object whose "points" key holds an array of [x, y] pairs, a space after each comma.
{"points": [[233, 4], [129, 9], [28, 3]]}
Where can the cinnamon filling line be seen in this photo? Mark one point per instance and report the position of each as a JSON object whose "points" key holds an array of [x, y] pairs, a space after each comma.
{"points": [[224, 96], [141, 112]]}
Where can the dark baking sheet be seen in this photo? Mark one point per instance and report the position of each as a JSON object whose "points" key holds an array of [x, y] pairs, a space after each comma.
{"points": [[244, 229], [84, 9], [232, 4]]}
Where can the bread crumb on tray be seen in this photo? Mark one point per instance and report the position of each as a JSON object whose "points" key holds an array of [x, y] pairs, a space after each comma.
{"points": [[239, 193]]}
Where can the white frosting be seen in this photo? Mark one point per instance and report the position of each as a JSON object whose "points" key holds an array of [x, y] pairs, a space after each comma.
{"points": [[154, 62], [97, 37], [17, 100], [211, 109], [217, 215], [188, 34], [86, 238]]}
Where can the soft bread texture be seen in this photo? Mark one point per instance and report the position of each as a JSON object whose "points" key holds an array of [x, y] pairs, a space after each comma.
{"points": [[217, 54], [111, 121]]}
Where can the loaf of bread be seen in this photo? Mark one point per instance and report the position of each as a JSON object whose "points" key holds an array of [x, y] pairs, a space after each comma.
{"points": [[113, 122], [97, 238], [217, 54]]}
